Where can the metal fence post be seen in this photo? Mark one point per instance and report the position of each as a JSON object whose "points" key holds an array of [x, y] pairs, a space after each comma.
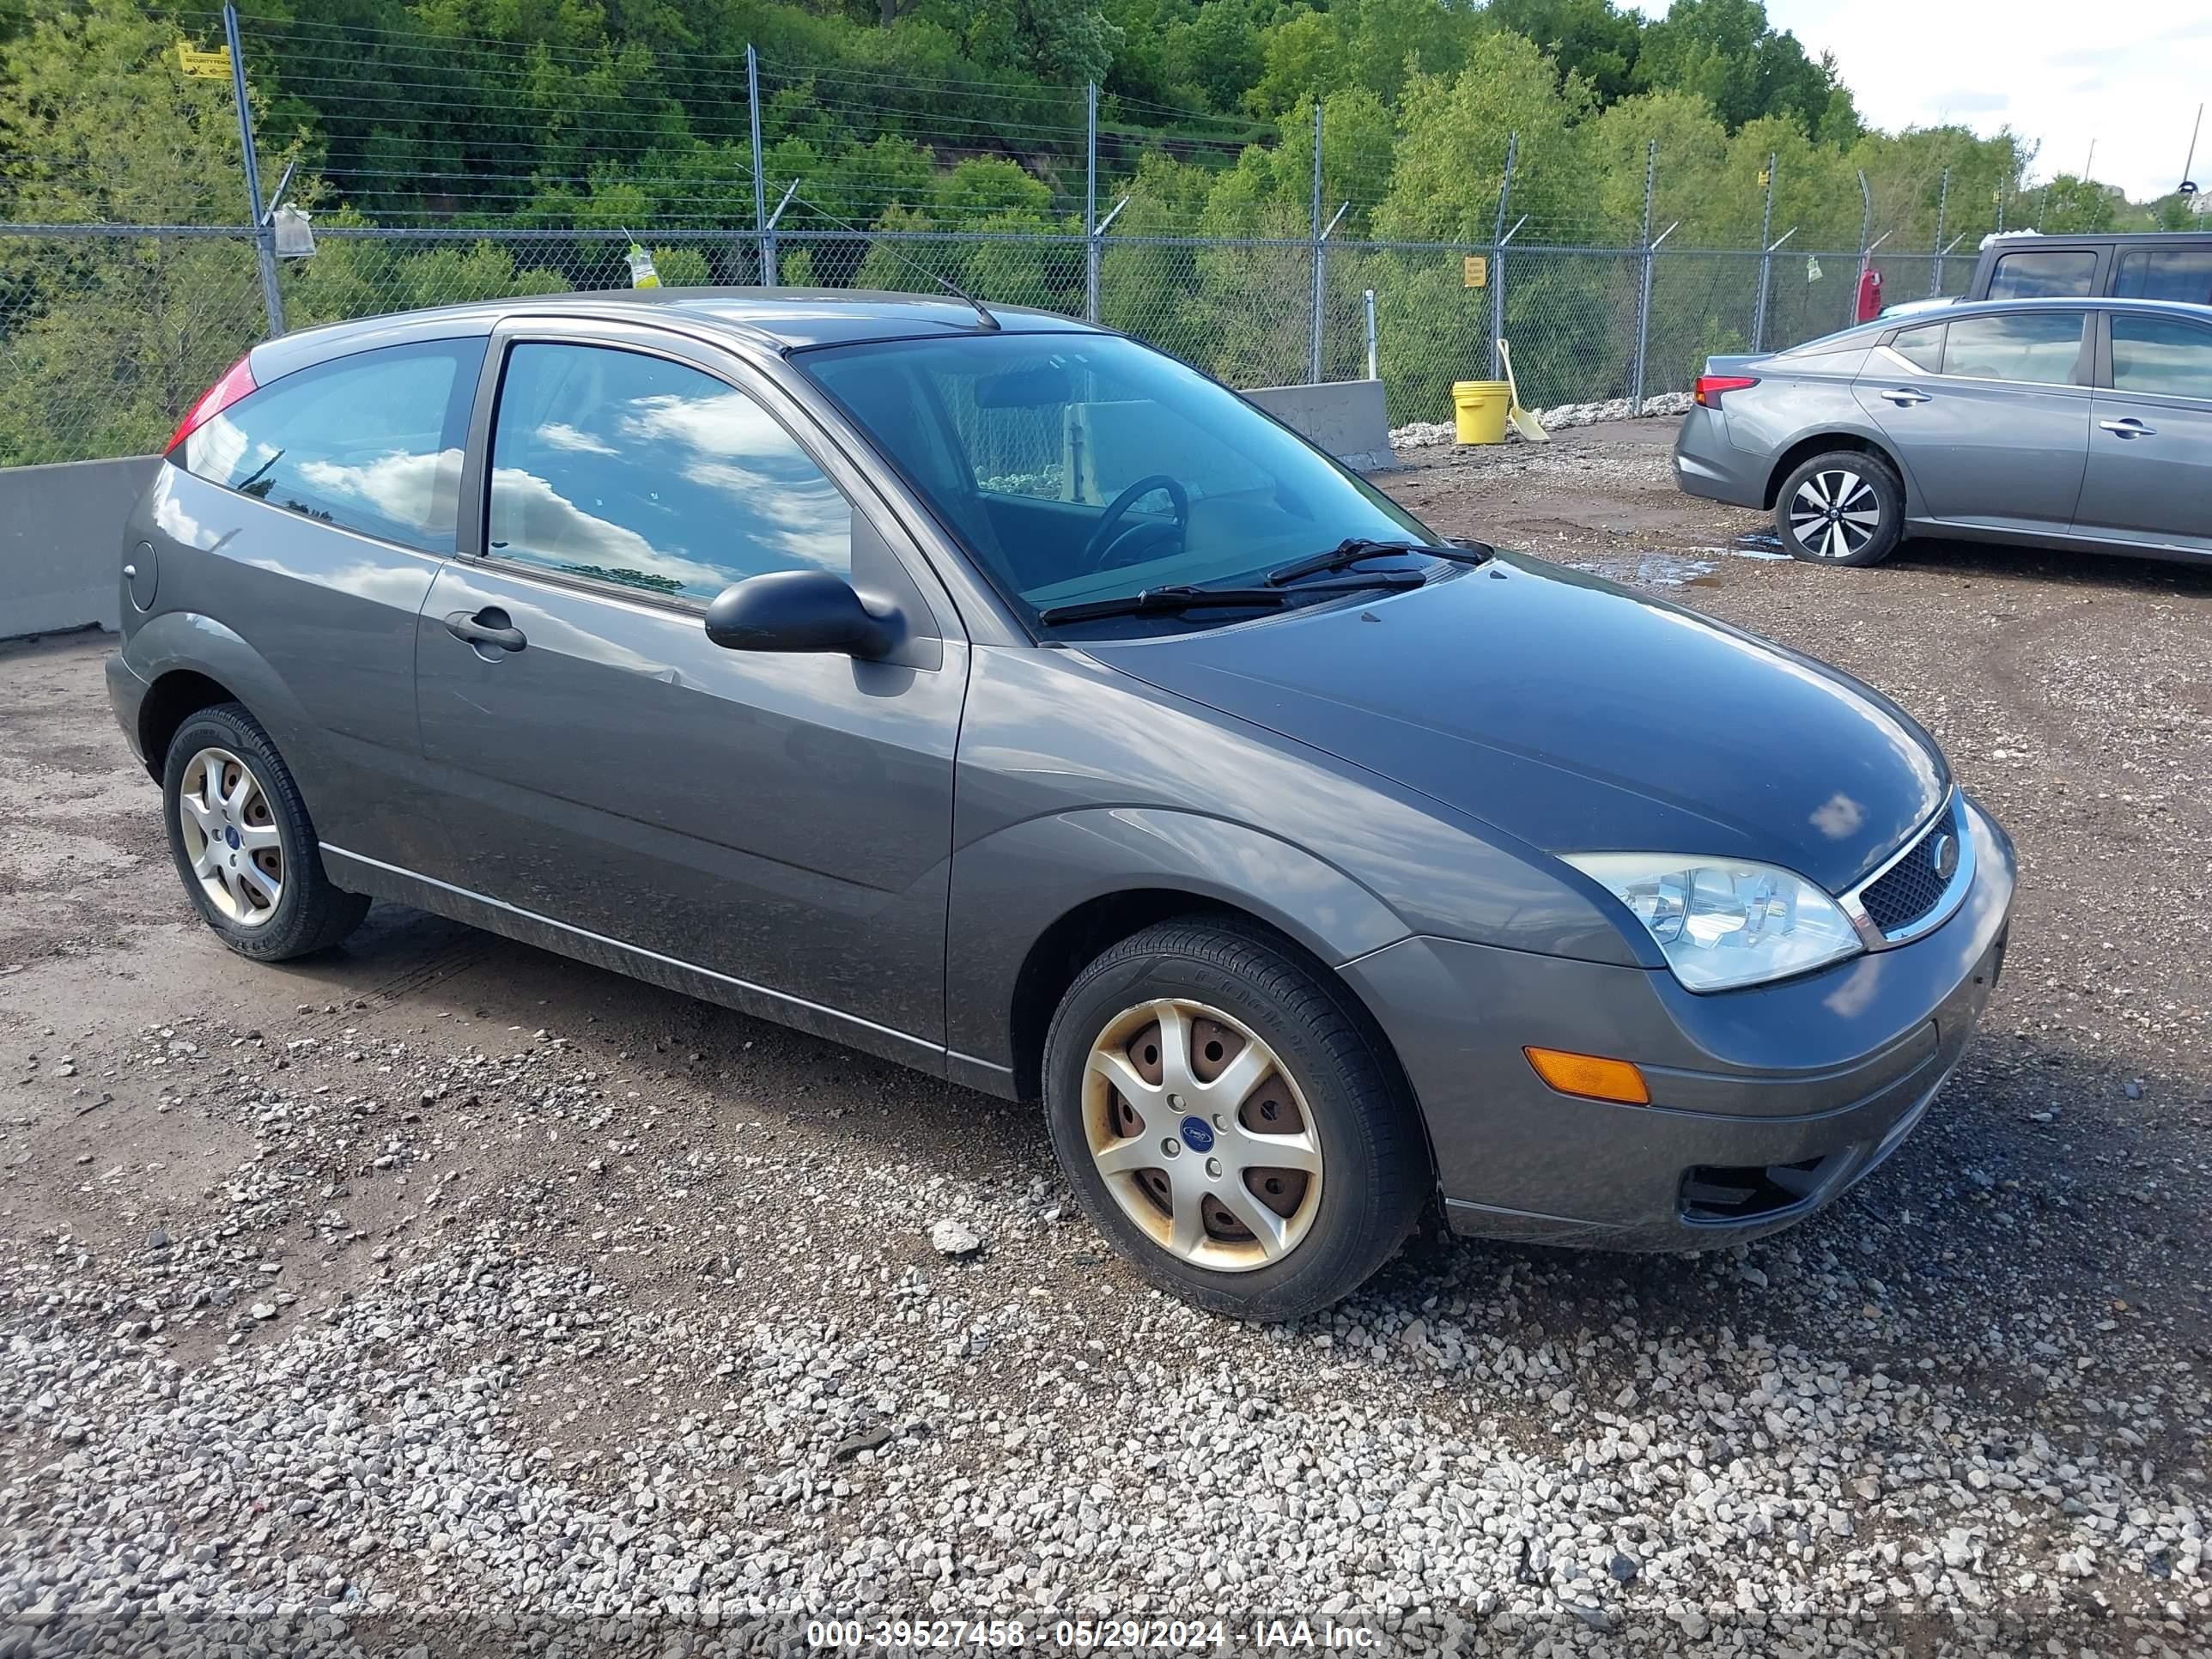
{"points": [[264, 231], [1498, 251], [1644, 295], [1373, 372], [1090, 201], [1866, 230], [1313, 343], [1942, 206], [1766, 258], [764, 238]]}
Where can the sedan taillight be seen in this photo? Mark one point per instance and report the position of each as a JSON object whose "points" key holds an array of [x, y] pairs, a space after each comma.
{"points": [[237, 380], [1709, 388]]}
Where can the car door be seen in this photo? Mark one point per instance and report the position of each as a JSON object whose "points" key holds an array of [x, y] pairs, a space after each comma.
{"points": [[307, 519], [1991, 414], [781, 820], [2149, 479]]}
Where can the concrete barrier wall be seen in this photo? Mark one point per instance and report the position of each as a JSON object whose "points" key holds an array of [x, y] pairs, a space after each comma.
{"points": [[1345, 417], [61, 542]]}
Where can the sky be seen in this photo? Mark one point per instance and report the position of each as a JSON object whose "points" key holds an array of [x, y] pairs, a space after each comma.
{"points": [[2129, 75]]}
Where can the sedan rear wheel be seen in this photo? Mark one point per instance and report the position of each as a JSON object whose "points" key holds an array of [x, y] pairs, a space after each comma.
{"points": [[1230, 1118], [1844, 507]]}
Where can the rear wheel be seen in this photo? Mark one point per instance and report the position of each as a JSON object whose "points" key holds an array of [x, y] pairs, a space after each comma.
{"points": [[1844, 507], [1230, 1122], [244, 844]]}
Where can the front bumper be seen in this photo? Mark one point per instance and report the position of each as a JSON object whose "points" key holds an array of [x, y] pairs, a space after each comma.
{"points": [[1768, 1103], [1707, 465]]}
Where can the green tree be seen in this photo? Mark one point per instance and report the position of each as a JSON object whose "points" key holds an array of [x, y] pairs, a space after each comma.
{"points": [[112, 338], [1726, 52], [1588, 37], [1450, 160]]}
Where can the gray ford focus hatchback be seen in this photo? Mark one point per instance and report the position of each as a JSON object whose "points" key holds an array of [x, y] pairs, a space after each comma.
{"points": [[996, 694]]}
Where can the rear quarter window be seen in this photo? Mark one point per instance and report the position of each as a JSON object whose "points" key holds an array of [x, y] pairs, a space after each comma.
{"points": [[370, 442]]}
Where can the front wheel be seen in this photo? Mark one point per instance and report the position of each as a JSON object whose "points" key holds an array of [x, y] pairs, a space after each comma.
{"points": [[1229, 1119], [1844, 507]]}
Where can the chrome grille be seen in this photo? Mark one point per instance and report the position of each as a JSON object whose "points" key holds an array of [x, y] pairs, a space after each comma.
{"points": [[1911, 887]]}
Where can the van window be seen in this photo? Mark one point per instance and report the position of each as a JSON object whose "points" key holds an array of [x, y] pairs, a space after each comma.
{"points": [[2165, 273], [2044, 274], [370, 442]]}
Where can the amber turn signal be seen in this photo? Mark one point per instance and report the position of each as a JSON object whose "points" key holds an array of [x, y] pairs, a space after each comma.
{"points": [[1592, 1076]]}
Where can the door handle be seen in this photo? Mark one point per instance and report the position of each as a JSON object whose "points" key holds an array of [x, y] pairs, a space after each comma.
{"points": [[2128, 426], [1905, 396], [490, 626]]}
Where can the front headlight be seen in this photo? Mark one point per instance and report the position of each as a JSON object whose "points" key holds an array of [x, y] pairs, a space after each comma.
{"points": [[1722, 924]]}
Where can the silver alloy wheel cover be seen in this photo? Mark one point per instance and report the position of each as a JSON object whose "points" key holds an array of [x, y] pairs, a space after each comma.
{"points": [[1232, 1147], [231, 839], [1834, 513]]}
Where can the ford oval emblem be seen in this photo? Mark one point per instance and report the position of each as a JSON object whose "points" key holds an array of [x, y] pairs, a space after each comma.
{"points": [[1197, 1134], [1944, 856]]}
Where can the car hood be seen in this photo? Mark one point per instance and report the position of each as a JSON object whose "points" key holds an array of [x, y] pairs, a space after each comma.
{"points": [[1577, 716]]}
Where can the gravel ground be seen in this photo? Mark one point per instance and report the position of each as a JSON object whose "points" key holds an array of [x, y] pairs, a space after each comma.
{"points": [[446, 1294]]}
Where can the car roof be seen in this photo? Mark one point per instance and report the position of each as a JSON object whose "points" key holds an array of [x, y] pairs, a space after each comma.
{"points": [[2056, 302], [2013, 241], [777, 320]]}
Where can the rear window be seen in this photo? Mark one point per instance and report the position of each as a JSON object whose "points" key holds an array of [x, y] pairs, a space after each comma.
{"points": [[2044, 274], [2165, 273], [370, 442]]}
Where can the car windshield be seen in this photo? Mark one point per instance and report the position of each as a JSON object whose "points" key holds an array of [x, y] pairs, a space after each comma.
{"points": [[1077, 468]]}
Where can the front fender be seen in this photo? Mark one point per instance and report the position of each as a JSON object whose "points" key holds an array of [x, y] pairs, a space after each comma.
{"points": [[1012, 885]]}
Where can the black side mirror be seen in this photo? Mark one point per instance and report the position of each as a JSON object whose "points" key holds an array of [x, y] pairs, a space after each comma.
{"points": [[800, 610]]}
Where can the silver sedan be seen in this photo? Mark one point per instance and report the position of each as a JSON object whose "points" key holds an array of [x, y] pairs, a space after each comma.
{"points": [[2077, 422]]}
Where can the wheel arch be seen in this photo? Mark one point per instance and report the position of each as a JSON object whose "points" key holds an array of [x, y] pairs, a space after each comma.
{"points": [[1083, 933], [1822, 443], [191, 662], [170, 700]]}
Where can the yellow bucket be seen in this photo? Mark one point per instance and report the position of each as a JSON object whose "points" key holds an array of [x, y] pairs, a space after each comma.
{"points": [[1479, 410]]}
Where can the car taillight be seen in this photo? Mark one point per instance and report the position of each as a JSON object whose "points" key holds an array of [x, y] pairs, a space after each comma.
{"points": [[1709, 388], [237, 380]]}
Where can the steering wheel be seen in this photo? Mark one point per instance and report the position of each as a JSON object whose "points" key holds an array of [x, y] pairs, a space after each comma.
{"points": [[1106, 539]]}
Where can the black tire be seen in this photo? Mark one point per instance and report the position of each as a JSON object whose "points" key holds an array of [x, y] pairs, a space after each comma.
{"points": [[1375, 1175], [1812, 528], [310, 913]]}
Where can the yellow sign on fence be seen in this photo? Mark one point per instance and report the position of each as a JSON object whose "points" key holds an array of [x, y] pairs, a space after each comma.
{"points": [[206, 65], [1476, 272]]}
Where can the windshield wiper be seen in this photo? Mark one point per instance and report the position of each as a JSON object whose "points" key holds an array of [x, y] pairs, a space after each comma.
{"points": [[1182, 595], [1353, 549]]}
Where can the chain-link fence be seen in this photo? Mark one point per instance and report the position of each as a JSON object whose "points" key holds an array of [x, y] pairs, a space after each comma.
{"points": [[108, 333], [437, 180]]}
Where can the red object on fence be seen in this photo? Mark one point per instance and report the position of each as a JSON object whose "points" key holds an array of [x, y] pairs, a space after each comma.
{"points": [[1869, 295]]}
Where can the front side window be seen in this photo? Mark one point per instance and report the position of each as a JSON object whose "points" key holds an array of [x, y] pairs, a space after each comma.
{"points": [[370, 442], [652, 475], [1080, 467], [2040, 347], [2165, 273], [2047, 274], [2161, 357]]}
